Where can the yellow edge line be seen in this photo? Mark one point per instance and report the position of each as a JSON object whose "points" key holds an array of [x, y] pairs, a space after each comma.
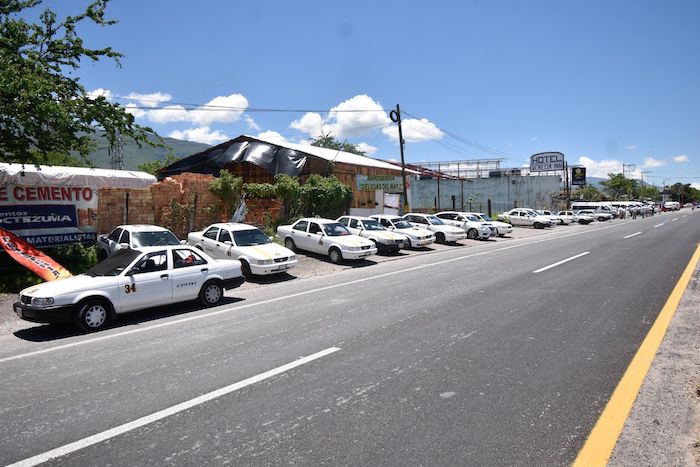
{"points": [[603, 438]]}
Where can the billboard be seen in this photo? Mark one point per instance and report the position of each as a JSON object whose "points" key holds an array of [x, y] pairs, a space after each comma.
{"points": [[388, 183], [546, 161], [578, 176]]}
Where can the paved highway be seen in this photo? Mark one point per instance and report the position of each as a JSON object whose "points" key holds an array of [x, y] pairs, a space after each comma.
{"points": [[499, 354]]}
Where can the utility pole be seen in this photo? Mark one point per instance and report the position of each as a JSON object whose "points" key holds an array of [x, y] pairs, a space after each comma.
{"points": [[643, 173], [116, 153], [395, 116], [626, 167]]}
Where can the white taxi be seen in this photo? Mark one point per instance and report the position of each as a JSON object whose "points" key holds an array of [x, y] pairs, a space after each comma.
{"points": [[258, 254], [443, 232], [130, 280], [416, 236], [385, 240], [327, 237]]}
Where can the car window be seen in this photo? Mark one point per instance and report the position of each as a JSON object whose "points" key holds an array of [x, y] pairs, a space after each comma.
{"points": [[385, 222], [301, 225], [314, 228], [125, 238], [335, 230], [434, 220], [185, 257], [372, 225], [224, 236], [354, 223], [251, 237], [343, 220], [211, 233], [150, 263], [154, 238], [447, 216], [402, 224], [114, 236]]}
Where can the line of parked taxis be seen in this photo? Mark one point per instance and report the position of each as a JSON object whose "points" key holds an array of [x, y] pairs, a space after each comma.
{"points": [[145, 266]]}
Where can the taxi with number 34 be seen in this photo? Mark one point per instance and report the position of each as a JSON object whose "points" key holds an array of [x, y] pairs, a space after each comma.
{"points": [[130, 280]]}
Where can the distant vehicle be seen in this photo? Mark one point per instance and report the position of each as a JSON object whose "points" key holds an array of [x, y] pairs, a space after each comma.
{"points": [[555, 218], [502, 228], [444, 233], [133, 236], [385, 240], [597, 206], [475, 228], [672, 205], [327, 237], [527, 217], [573, 217], [130, 280], [258, 254], [416, 237], [597, 215]]}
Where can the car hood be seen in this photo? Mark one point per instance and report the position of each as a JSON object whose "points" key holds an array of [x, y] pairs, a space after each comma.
{"points": [[266, 251], [67, 285], [349, 240], [385, 234], [448, 228], [415, 231]]}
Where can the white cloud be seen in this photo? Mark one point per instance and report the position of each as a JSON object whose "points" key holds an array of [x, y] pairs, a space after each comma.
{"points": [[357, 116], [650, 163], [133, 110], [414, 131], [311, 124], [149, 100], [221, 109], [201, 135], [168, 114], [600, 168], [631, 147], [366, 148], [695, 185], [272, 136], [252, 125], [106, 93], [681, 158]]}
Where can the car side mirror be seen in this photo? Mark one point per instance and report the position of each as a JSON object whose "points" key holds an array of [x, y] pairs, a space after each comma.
{"points": [[124, 246], [183, 242], [228, 242]]}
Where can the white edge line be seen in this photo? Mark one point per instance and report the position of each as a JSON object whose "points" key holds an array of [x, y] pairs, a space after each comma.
{"points": [[298, 294], [632, 235], [674, 219], [560, 262], [154, 417]]}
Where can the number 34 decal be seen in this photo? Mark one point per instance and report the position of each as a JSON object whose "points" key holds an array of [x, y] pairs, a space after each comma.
{"points": [[128, 288]]}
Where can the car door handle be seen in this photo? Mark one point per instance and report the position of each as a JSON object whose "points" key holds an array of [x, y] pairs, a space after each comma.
{"points": [[205, 269], [164, 276]]}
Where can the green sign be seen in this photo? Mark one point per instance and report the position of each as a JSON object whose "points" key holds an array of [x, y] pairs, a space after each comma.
{"points": [[388, 183]]}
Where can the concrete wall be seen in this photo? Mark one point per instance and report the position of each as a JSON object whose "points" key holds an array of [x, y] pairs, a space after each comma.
{"points": [[505, 192]]}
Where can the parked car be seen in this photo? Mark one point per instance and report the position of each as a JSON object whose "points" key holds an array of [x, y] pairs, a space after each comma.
{"points": [[133, 236], [527, 217], [502, 228], [600, 216], [573, 217], [130, 280], [416, 237], [258, 254], [384, 239], [327, 237], [475, 228], [443, 232], [556, 219]]}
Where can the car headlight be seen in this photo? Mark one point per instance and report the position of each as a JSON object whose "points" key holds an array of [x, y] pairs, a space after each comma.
{"points": [[42, 301], [263, 262], [354, 248]]}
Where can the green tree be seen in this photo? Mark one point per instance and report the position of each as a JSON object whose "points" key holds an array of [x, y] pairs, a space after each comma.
{"points": [[44, 109], [154, 166], [325, 196], [229, 189], [619, 187], [330, 142], [587, 193], [649, 192]]}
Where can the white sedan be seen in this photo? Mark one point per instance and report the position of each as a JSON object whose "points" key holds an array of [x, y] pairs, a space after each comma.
{"points": [[502, 228], [416, 237], [327, 237], [443, 232], [133, 236], [130, 280], [384, 239], [475, 228], [573, 217], [258, 254]]}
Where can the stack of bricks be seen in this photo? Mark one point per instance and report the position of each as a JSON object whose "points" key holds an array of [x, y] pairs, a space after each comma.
{"points": [[163, 194], [112, 207], [260, 211]]}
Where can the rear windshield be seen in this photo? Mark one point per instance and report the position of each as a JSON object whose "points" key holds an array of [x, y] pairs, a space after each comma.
{"points": [[154, 238]]}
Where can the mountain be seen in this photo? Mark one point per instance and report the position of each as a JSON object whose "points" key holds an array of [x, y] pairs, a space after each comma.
{"points": [[135, 155]]}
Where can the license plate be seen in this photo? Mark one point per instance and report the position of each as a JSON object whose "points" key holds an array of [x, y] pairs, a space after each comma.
{"points": [[365, 254]]}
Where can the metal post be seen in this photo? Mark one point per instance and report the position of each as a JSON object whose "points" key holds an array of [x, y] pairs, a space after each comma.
{"points": [[395, 116]]}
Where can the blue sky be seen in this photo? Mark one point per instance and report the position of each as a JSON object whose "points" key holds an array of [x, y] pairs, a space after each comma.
{"points": [[604, 82]]}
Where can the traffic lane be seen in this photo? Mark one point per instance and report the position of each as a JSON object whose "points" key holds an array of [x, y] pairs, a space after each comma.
{"points": [[442, 386]]}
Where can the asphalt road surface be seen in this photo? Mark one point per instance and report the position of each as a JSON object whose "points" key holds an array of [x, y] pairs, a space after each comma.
{"points": [[500, 354]]}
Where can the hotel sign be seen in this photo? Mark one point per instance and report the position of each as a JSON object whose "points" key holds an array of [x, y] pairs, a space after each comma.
{"points": [[546, 161]]}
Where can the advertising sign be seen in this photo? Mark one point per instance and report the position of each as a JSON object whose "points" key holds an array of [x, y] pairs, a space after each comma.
{"points": [[388, 183], [49, 215], [546, 161], [578, 176], [31, 258]]}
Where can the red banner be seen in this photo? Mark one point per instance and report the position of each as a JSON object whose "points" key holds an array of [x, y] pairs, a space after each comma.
{"points": [[31, 258]]}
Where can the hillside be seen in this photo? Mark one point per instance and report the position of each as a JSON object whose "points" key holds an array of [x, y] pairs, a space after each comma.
{"points": [[134, 155]]}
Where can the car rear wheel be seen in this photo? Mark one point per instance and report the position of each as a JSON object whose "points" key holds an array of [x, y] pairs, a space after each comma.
{"points": [[211, 294], [92, 315], [289, 243], [335, 255], [538, 225], [472, 234]]}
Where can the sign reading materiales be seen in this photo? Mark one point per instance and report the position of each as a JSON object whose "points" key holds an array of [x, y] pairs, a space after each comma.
{"points": [[546, 161], [388, 183]]}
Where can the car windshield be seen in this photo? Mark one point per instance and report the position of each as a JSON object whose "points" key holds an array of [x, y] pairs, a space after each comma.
{"points": [[165, 237], [473, 218], [402, 224], [115, 264], [373, 225], [335, 230], [485, 217], [435, 220], [250, 237]]}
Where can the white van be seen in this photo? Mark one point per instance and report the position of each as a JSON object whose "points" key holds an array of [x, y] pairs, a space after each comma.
{"points": [[604, 206]]}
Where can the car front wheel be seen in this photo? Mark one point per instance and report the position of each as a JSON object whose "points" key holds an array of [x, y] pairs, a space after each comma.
{"points": [[335, 255], [92, 315], [472, 234], [211, 294], [440, 237]]}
